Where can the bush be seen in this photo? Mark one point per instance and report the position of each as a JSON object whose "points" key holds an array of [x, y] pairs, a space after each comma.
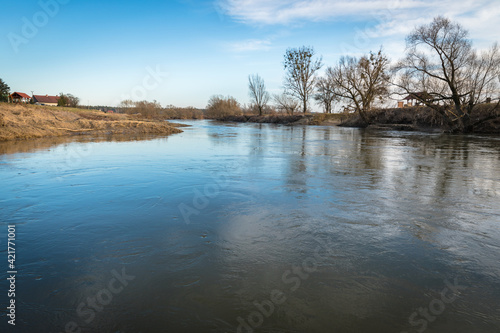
{"points": [[220, 106], [149, 110]]}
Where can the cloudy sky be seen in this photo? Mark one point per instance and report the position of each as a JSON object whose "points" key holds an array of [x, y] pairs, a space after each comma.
{"points": [[181, 52]]}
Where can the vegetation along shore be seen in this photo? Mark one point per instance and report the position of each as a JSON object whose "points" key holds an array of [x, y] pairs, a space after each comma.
{"points": [[25, 121]]}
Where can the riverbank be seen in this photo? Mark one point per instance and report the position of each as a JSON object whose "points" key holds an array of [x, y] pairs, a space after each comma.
{"points": [[397, 119], [19, 121], [486, 118], [298, 119]]}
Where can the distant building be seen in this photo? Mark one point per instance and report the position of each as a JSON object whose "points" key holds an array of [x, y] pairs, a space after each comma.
{"points": [[19, 97], [45, 100], [413, 99]]}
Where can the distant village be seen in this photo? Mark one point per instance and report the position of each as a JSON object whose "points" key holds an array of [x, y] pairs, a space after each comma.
{"points": [[51, 100], [19, 97]]}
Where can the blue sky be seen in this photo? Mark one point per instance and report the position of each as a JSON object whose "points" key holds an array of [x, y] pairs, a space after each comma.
{"points": [[181, 52]]}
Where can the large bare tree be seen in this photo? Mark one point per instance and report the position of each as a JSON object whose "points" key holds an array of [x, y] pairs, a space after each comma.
{"points": [[361, 82], [444, 72], [257, 91], [301, 71]]}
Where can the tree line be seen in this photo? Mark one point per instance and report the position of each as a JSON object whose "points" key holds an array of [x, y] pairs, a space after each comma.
{"points": [[440, 70], [154, 110]]}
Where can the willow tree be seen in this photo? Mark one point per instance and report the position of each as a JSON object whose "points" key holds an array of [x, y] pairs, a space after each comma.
{"points": [[444, 72], [301, 71]]}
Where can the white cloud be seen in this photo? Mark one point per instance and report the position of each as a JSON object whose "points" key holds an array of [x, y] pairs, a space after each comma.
{"points": [[250, 45], [287, 11], [386, 17]]}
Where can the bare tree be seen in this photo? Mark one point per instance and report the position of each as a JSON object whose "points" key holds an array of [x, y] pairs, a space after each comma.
{"points": [[128, 103], [73, 101], [257, 90], [360, 83], [286, 104], [450, 76], [301, 71], [325, 94]]}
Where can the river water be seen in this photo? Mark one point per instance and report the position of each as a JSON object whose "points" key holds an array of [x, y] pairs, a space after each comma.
{"points": [[264, 228]]}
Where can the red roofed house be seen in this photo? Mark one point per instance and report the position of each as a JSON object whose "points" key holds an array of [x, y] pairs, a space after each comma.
{"points": [[19, 97], [413, 99], [45, 100]]}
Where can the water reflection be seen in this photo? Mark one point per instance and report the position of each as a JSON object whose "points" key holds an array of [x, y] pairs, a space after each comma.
{"points": [[26, 146], [394, 216]]}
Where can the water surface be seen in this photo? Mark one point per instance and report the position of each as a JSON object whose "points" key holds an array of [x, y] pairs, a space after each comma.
{"points": [[237, 227]]}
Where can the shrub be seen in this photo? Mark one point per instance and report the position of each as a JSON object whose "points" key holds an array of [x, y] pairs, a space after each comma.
{"points": [[220, 106]]}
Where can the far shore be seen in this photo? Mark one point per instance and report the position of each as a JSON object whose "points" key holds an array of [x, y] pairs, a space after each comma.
{"points": [[320, 119], [422, 119], [24, 121]]}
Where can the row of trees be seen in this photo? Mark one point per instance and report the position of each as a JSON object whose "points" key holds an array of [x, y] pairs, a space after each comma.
{"points": [[154, 110], [441, 70]]}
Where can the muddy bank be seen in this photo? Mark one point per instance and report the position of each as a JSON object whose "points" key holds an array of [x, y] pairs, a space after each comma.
{"points": [[423, 119], [299, 119], [408, 119], [32, 121]]}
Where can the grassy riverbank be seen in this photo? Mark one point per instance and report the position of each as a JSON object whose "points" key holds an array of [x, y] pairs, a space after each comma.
{"points": [[33, 121]]}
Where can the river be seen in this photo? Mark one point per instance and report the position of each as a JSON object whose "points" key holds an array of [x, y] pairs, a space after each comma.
{"points": [[253, 227]]}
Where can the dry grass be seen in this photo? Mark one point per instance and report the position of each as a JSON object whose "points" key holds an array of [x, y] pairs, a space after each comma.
{"points": [[32, 121]]}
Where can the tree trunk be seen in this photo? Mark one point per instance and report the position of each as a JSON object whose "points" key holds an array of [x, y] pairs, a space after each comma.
{"points": [[363, 116]]}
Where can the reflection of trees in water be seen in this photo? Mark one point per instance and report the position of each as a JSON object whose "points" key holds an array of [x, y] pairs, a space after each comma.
{"points": [[32, 145], [435, 181], [410, 163], [223, 135], [441, 166], [423, 181], [296, 173]]}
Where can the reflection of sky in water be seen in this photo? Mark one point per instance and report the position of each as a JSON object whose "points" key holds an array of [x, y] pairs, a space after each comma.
{"points": [[402, 212]]}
